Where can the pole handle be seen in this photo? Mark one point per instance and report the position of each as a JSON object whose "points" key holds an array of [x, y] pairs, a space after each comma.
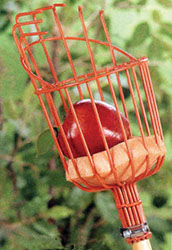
{"points": [[142, 245]]}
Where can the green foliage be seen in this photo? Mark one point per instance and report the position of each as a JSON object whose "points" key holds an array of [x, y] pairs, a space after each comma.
{"points": [[38, 208], [27, 238], [140, 34], [166, 29], [59, 212], [106, 207], [156, 16], [44, 142], [165, 3]]}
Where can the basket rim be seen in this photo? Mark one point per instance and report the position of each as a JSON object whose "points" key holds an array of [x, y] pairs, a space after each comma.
{"points": [[71, 82]]}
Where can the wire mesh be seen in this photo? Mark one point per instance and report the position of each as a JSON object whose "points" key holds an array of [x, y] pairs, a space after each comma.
{"points": [[130, 92]]}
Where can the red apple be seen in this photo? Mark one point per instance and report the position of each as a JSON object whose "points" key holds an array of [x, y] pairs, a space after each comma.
{"points": [[90, 129]]}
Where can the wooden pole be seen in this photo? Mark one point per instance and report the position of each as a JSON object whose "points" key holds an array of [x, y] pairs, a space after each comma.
{"points": [[142, 245]]}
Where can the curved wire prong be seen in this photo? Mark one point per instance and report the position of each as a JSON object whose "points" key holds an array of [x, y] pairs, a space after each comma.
{"points": [[32, 34], [107, 36], [38, 11], [59, 5], [101, 12], [80, 8]]}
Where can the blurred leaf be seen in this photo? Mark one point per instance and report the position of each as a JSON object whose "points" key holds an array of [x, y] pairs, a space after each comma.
{"points": [[6, 200], [141, 33], [10, 109], [79, 199], [142, 2], [28, 95], [159, 226], [156, 15], [166, 29], [44, 227], [156, 75], [164, 213], [37, 205], [59, 212], [4, 20], [12, 74], [27, 192], [6, 141], [28, 239], [165, 3], [57, 178], [26, 147], [85, 231], [106, 206], [167, 244], [44, 142], [155, 49]]}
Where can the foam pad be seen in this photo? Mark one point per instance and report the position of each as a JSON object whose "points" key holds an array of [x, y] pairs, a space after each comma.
{"points": [[144, 157]]}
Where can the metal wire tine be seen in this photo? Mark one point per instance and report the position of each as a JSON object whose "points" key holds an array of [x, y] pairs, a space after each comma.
{"points": [[90, 76], [118, 112], [112, 48], [135, 105], [38, 11], [122, 127], [46, 51], [67, 50], [122, 211], [69, 152], [127, 203], [90, 158], [154, 101], [47, 95], [146, 171], [26, 23], [141, 101], [33, 62], [123, 207], [59, 5], [133, 200], [25, 61], [90, 52], [136, 198], [90, 189], [52, 131], [50, 63], [35, 77], [150, 103], [57, 144], [52, 6], [31, 55], [102, 133], [157, 166], [108, 37], [32, 34], [19, 27], [114, 61]]}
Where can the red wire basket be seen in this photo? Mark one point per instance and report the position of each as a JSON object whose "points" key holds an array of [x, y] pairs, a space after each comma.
{"points": [[130, 92]]}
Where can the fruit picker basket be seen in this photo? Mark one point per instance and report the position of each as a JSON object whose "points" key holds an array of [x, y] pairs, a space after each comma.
{"points": [[111, 135]]}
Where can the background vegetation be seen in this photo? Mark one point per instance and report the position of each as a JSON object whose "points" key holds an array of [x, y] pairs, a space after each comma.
{"points": [[38, 208]]}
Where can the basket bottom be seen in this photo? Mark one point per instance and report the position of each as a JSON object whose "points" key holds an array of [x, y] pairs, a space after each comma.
{"points": [[144, 157]]}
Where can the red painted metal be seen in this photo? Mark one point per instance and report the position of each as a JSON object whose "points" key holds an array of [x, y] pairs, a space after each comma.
{"points": [[137, 75]]}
